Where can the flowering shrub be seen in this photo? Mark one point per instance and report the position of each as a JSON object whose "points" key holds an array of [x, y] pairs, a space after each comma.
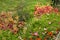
{"points": [[44, 10], [7, 22]]}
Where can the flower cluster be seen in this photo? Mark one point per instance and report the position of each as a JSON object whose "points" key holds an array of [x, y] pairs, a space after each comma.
{"points": [[29, 31], [48, 35], [8, 22], [44, 9]]}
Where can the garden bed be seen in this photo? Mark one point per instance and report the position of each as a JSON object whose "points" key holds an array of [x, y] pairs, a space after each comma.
{"points": [[28, 20]]}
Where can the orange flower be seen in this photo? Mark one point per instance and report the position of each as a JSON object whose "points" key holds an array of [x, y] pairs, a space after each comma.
{"points": [[45, 38], [21, 24], [3, 14], [38, 38], [31, 39], [50, 33], [15, 30], [24, 38], [17, 17], [0, 25]]}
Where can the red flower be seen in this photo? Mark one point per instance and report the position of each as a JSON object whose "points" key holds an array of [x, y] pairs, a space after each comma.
{"points": [[48, 9], [40, 10], [36, 8], [35, 13], [10, 26], [55, 10], [4, 16], [4, 27]]}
